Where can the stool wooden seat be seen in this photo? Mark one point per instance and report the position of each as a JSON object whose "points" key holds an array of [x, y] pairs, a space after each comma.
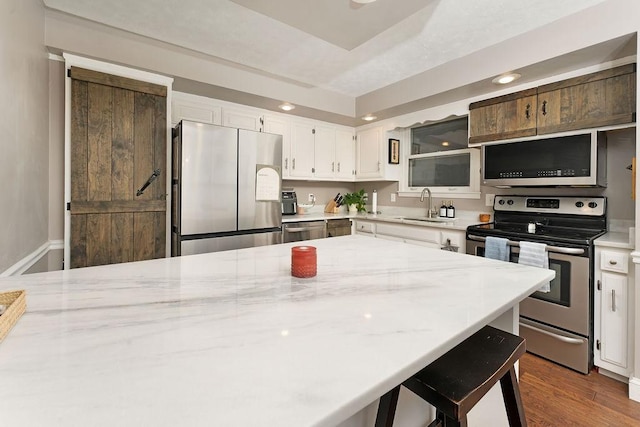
{"points": [[455, 382]]}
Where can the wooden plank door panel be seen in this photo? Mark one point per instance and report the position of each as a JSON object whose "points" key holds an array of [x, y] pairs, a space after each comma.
{"points": [[118, 139], [503, 117], [599, 99]]}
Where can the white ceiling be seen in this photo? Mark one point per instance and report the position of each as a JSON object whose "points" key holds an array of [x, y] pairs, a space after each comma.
{"points": [[330, 44]]}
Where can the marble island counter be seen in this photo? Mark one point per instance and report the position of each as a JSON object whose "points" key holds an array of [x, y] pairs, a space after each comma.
{"points": [[231, 339]]}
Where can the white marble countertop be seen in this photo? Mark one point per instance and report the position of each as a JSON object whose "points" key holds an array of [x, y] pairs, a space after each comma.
{"points": [[231, 339], [460, 223], [615, 239]]}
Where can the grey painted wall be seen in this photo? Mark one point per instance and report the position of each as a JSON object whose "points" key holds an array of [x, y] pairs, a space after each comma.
{"points": [[24, 126]]}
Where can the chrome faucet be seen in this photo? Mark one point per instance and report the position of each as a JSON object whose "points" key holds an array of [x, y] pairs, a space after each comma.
{"points": [[431, 212]]}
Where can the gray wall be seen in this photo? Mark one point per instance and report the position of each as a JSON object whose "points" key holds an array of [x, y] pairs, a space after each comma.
{"points": [[24, 123]]}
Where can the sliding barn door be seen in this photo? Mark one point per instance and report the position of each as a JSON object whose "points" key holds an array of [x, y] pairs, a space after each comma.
{"points": [[118, 142]]}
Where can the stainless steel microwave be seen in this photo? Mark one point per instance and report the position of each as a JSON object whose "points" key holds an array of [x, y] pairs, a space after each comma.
{"points": [[570, 160]]}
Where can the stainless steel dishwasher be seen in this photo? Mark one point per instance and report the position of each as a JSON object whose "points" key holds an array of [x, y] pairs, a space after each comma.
{"points": [[306, 230]]}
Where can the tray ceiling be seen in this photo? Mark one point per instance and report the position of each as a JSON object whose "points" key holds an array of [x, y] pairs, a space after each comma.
{"points": [[330, 44]]}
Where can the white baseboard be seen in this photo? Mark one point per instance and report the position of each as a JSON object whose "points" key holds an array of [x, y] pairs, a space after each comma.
{"points": [[27, 262], [634, 389]]}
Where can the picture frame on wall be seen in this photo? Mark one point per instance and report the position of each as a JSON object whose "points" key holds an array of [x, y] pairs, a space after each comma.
{"points": [[394, 151]]}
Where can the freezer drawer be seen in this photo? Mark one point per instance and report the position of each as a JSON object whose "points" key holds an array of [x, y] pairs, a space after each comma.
{"points": [[217, 244], [562, 347]]}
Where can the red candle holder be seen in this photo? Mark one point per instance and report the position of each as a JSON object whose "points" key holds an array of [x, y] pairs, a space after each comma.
{"points": [[304, 262]]}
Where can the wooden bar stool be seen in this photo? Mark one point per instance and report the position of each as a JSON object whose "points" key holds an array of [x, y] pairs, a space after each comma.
{"points": [[455, 382]]}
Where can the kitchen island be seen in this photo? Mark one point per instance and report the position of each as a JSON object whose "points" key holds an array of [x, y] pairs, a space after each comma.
{"points": [[231, 339]]}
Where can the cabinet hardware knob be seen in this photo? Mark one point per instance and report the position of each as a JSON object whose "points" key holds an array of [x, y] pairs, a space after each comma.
{"points": [[286, 163], [544, 108], [527, 112], [613, 262], [293, 164]]}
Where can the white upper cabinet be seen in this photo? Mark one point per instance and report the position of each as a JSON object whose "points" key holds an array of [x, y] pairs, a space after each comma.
{"points": [[325, 152], [194, 108], [248, 119], [280, 126], [369, 149], [302, 149], [345, 168], [321, 151], [372, 155]]}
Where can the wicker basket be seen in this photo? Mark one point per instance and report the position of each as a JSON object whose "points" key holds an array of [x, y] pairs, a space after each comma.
{"points": [[16, 303]]}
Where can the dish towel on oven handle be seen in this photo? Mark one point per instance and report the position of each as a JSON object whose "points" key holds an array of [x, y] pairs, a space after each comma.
{"points": [[496, 248], [535, 255]]}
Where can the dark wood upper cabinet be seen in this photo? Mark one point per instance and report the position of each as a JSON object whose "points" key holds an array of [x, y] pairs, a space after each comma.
{"points": [[604, 98], [508, 116], [599, 99]]}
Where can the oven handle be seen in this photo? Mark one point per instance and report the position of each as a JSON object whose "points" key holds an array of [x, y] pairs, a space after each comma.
{"points": [[567, 340], [557, 249]]}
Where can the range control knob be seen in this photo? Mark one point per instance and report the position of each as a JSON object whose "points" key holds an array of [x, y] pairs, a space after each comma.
{"points": [[592, 205], [509, 202], [579, 204], [501, 201]]}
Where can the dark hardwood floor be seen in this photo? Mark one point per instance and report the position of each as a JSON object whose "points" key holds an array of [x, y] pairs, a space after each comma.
{"points": [[558, 397]]}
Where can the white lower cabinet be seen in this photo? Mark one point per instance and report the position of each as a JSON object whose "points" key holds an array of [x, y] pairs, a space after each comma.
{"points": [[422, 235], [613, 331], [367, 228]]}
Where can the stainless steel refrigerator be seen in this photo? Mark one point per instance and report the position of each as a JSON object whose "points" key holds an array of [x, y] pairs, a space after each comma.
{"points": [[226, 188]]}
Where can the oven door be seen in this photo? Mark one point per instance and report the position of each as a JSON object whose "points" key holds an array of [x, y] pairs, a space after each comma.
{"points": [[557, 324], [567, 304]]}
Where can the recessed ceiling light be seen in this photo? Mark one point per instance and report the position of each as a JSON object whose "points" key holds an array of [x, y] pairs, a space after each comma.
{"points": [[369, 117], [506, 78], [363, 1], [286, 106], [445, 143]]}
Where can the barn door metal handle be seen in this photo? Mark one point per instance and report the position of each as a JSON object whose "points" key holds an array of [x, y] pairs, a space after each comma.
{"points": [[152, 178]]}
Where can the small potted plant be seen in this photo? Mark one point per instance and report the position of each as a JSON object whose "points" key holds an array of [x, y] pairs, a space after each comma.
{"points": [[355, 201]]}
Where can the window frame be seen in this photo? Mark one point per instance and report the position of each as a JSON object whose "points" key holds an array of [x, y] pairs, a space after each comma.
{"points": [[472, 191]]}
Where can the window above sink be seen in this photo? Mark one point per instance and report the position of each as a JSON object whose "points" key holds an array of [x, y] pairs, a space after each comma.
{"points": [[440, 159]]}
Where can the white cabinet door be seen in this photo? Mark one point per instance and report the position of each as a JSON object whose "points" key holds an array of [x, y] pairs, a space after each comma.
{"points": [[242, 119], [302, 150], [324, 149], [454, 238], [365, 227], [280, 126], [613, 319], [613, 301], [185, 106], [345, 155], [369, 154]]}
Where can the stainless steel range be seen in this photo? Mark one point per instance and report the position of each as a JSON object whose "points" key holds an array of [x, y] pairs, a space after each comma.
{"points": [[557, 325]]}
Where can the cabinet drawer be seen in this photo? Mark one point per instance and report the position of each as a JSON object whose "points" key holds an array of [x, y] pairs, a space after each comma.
{"points": [[415, 233], [365, 227], [614, 261]]}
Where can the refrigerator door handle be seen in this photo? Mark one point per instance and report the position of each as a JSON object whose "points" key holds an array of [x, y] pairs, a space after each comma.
{"points": [[152, 178]]}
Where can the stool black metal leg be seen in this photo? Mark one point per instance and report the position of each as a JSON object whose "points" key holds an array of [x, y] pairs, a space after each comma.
{"points": [[387, 408], [512, 399]]}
